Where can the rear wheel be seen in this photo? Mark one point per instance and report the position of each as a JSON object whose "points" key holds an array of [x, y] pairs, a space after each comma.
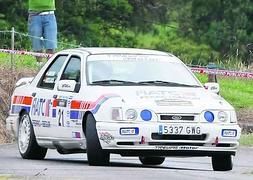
{"points": [[222, 162], [151, 160], [27, 144], [96, 155]]}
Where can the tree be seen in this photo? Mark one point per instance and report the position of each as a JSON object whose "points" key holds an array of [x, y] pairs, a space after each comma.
{"points": [[224, 24]]}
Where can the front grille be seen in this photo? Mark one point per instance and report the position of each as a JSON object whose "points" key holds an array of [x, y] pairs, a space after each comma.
{"points": [[177, 117], [156, 136]]}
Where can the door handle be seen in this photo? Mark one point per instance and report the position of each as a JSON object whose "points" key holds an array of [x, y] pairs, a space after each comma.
{"points": [[33, 94]]}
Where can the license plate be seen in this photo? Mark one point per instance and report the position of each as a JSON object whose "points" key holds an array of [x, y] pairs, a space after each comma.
{"points": [[174, 129]]}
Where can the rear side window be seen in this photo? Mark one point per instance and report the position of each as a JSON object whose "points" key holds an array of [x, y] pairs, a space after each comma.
{"points": [[51, 74], [72, 71]]}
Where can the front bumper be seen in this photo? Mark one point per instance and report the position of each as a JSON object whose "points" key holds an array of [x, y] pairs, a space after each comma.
{"points": [[147, 140]]}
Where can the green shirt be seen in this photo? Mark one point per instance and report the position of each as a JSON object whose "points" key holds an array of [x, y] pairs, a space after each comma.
{"points": [[41, 5]]}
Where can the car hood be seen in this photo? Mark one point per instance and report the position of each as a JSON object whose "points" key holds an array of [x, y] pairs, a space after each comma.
{"points": [[164, 99]]}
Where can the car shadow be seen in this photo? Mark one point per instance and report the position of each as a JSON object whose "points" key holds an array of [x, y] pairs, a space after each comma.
{"points": [[122, 164]]}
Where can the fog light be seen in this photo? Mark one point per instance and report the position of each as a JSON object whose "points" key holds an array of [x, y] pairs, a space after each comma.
{"points": [[222, 116], [131, 114]]}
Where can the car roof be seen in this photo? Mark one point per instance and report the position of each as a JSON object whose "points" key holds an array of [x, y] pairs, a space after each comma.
{"points": [[115, 50]]}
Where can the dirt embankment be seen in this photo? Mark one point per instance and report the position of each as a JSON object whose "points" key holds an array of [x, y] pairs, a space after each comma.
{"points": [[8, 78]]}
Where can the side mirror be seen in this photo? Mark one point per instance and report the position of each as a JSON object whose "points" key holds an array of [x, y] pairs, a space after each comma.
{"points": [[24, 81], [67, 85], [212, 87]]}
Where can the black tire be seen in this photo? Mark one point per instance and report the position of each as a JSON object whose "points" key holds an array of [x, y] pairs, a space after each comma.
{"points": [[27, 144], [151, 160], [222, 162], [96, 155]]}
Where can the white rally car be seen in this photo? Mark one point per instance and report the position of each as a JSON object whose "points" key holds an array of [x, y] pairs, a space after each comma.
{"points": [[132, 102]]}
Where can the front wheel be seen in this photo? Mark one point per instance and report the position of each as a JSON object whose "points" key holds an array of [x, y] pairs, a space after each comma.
{"points": [[96, 155], [222, 162], [27, 144], [151, 160]]}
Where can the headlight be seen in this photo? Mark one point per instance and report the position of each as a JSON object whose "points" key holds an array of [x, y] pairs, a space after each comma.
{"points": [[209, 116], [146, 115], [222, 116], [116, 113], [233, 118], [131, 114]]}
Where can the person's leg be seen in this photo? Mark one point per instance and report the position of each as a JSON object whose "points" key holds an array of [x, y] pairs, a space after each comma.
{"points": [[50, 33], [35, 31]]}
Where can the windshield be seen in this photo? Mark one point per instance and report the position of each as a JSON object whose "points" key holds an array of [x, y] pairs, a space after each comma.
{"points": [[138, 70]]}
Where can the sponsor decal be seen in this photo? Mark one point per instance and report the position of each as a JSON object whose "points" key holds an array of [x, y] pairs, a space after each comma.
{"points": [[129, 131], [229, 132], [76, 135], [62, 102], [171, 102], [176, 147], [36, 123], [78, 107], [167, 96], [106, 137], [21, 102], [46, 124], [49, 80], [65, 86], [43, 107], [48, 107], [15, 109], [78, 124]]}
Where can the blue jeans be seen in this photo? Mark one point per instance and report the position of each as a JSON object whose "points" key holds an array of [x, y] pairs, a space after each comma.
{"points": [[43, 26]]}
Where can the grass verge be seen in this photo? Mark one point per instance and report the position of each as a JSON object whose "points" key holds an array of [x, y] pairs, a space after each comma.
{"points": [[246, 140], [237, 91]]}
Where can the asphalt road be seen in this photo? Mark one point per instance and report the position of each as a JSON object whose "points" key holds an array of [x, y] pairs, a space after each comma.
{"points": [[56, 166]]}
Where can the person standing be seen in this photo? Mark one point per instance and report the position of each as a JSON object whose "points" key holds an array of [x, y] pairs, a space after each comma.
{"points": [[42, 26]]}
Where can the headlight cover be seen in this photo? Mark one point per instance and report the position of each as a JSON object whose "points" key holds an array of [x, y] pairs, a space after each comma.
{"points": [[209, 116], [131, 114], [146, 115], [222, 116]]}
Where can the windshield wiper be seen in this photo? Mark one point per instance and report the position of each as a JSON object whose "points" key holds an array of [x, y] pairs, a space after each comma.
{"points": [[166, 83], [113, 82]]}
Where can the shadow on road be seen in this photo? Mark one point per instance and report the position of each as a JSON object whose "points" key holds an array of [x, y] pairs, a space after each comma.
{"points": [[120, 164]]}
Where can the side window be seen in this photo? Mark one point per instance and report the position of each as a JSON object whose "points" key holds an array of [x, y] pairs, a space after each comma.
{"points": [[51, 74], [72, 71]]}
